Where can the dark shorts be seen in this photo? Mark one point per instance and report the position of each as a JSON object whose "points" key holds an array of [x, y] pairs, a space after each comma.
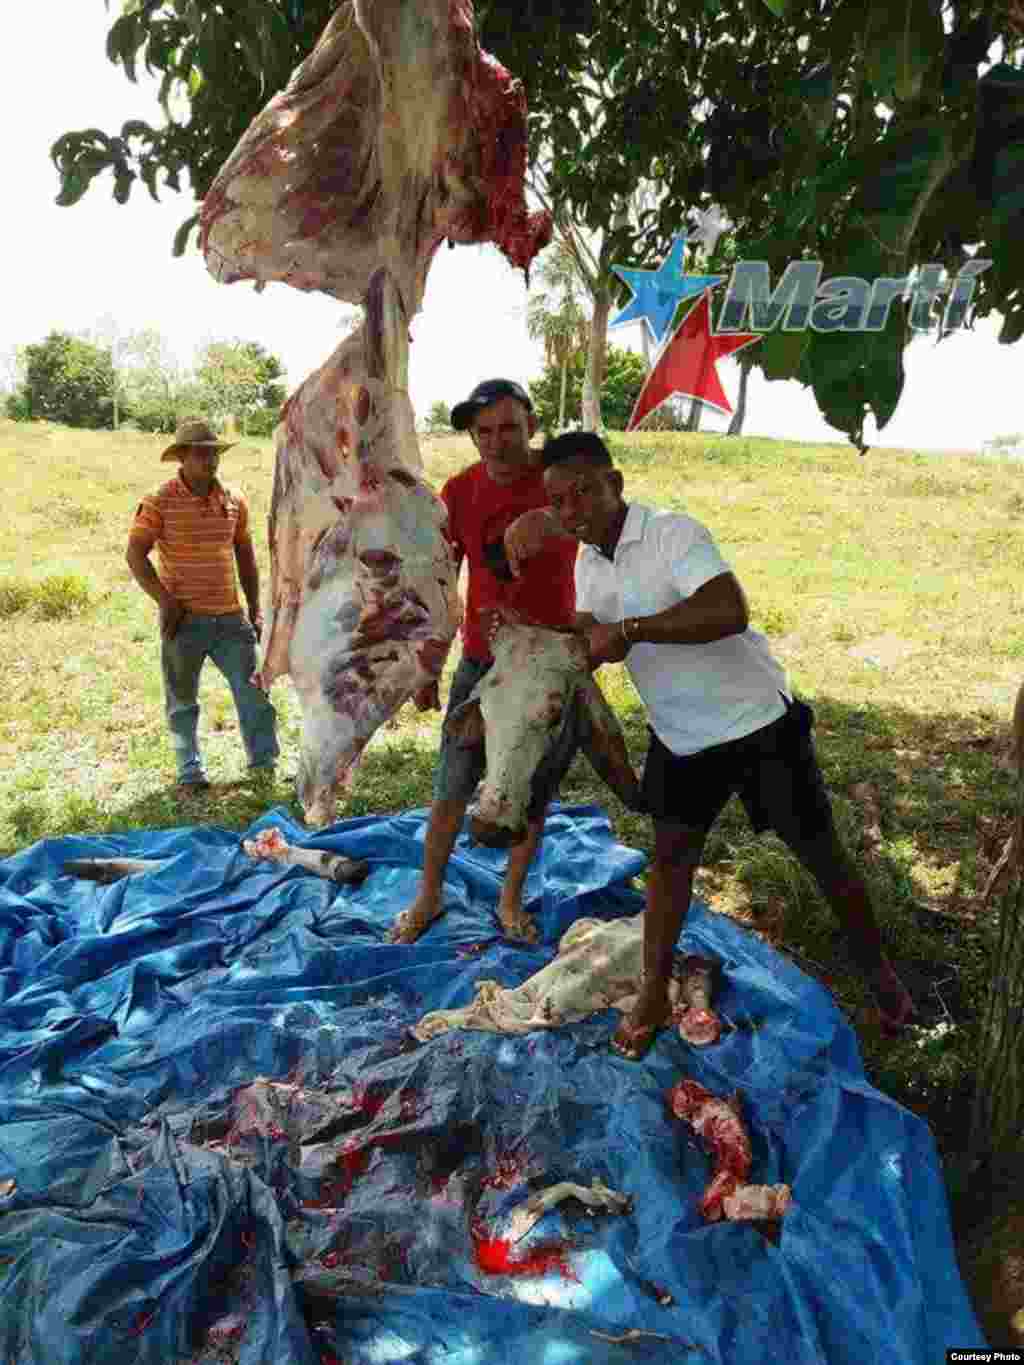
{"points": [[459, 770], [774, 772]]}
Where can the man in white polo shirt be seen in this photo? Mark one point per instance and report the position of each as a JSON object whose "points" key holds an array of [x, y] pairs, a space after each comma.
{"points": [[653, 590]]}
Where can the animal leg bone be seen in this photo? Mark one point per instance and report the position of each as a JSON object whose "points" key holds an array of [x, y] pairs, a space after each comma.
{"points": [[596, 1196], [271, 845]]}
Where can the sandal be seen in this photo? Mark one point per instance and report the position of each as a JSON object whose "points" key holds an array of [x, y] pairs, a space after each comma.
{"points": [[634, 1042], [519, 926], [408, 926]]}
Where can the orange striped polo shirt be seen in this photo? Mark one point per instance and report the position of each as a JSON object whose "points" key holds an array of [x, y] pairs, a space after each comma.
{"points": [[195, 540]]}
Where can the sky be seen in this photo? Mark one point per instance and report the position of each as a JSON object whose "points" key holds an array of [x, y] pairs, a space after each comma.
{"points": [[69, 268]]}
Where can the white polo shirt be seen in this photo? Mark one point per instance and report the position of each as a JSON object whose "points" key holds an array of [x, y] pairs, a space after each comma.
{"points": [[696, 695]]}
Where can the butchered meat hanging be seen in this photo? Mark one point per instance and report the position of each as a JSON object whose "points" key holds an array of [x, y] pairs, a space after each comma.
{"points": [[395, 134]]}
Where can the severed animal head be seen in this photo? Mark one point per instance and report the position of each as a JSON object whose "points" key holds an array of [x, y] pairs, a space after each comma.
{"points": [[533, 711]]}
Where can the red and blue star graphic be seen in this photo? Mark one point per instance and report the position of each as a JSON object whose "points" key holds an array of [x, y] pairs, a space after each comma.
{"points": [[687, 364], [657, 293]]}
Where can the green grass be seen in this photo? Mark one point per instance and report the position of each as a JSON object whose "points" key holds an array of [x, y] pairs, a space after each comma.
{"points": [[53, 598], [888, 586]]}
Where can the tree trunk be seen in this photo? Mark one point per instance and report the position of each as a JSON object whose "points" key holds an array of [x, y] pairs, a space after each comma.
{"points": [[597, 350], [739, 416], [997, 1121], [647, 347], [693, 420], [117, 416], [561, 400]]}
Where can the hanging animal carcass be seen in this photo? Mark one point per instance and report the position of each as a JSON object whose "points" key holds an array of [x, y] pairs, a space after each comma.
{"points": [[395, 134]]}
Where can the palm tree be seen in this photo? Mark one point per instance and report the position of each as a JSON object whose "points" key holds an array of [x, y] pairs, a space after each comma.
{"points": [[556, 317]]}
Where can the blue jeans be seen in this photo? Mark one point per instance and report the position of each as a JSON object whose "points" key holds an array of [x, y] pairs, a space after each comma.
{"points": [[230, 642]]}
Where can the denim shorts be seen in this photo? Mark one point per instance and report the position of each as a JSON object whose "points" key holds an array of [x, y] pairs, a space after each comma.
{"points": [[773, 771], [459, 770]]}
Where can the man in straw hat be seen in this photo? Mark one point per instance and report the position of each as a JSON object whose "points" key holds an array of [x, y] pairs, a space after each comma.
{"points": [[201, 531]]}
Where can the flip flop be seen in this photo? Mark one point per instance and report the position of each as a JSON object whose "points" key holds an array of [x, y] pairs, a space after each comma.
{"points": [[638, 1041], [405, 922], [520, 927]]}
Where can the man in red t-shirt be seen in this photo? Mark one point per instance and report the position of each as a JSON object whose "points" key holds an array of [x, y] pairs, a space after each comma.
{"points": [[504, 489]]}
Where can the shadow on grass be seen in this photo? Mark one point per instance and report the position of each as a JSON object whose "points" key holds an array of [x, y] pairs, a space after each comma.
{"points": [[395, 776]]}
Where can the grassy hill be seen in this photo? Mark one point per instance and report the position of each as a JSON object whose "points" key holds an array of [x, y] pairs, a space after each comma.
{"points": [[889, 586]]}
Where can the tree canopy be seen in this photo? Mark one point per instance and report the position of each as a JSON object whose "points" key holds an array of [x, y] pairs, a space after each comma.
{"points": [[67, 379], [239, 377], [624, 378], [873, 137]]}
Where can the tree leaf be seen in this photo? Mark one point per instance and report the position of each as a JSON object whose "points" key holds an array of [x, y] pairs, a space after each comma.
{"points": [[781, 354], [123, 41], [817, 91], [252, 51], [182, 235], [966, 48], [777, 7], [72, 186], [999, 151], [123, 181], [136, 128], [909, 165], [884, 367], [903, 39], [833, 364], [1013, 324], [148, 170], [845, 34]]}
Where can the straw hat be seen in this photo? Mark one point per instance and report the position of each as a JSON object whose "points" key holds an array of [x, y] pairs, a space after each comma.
{"points": [[194, 431]]}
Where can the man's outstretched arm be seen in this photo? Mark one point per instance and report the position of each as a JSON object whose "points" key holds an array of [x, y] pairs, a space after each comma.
{"points": [[716, 610]]}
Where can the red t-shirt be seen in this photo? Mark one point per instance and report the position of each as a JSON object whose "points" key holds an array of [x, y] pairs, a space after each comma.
{"points": [[479, 512]]}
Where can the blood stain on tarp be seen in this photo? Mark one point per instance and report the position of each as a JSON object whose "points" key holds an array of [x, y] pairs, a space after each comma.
{"points": [[353, 1161], [494, 1257], [367, 1103], [472, 949], [510, 1169], [227, 1329]]}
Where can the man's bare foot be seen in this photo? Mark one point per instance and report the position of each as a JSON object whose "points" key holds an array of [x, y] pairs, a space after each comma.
{"points": [[411, 923], [517, 924], [636, 1033]]}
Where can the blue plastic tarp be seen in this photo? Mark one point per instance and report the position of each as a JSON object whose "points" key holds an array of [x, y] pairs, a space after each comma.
{"points": [[142, 1219]]}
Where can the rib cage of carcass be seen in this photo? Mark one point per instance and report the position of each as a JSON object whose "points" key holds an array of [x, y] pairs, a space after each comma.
{"points": [[395, 134]]}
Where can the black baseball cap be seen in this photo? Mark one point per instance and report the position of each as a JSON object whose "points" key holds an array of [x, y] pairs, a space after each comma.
{"points": [[486, 393]]}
